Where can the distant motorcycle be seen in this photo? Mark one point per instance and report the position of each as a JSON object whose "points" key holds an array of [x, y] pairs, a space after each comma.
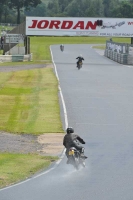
{"points": [[62, 47], [75, 158], [79, 65]]}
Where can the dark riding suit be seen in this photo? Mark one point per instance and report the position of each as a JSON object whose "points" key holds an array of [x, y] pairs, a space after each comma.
{"points": [[79, 59], [73, 140], [62, 47]]}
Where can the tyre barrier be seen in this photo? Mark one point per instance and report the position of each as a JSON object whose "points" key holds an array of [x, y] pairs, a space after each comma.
{"points": [[123, 59], [111, 55], [119, 52], [118, 57], [108, 53], [115, 56], [130, 60], [105, 52]]}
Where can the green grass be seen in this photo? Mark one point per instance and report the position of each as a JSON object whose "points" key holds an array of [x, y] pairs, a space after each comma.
{"points": [[23, 63], [16, 167], [1, 52], [29, 102]]}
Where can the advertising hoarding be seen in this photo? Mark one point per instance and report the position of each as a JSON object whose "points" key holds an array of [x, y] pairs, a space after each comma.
{"points": [[74, 26]]}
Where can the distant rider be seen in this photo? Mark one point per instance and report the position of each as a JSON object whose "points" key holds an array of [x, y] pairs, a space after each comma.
{"points": [[62, 47], [73, 140], [80, 58]]}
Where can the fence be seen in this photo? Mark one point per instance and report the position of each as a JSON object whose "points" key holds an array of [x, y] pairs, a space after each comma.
{"points": [[8, 24], [18, 30]]}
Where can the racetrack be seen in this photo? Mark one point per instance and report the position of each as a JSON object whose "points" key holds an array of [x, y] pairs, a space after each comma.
{"points": [[99, 105]]}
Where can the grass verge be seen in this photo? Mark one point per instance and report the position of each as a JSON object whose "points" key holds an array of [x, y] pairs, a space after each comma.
{"points": [[16, 167], [29, 102], [24, 63]]}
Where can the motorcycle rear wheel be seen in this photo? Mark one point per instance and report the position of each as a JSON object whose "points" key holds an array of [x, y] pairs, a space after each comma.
{"points": [[78, 67], [83, 163], [76, 163]]}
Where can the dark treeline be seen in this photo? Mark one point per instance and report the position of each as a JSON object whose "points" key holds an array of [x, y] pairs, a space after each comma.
{"points": [[14, 11]]}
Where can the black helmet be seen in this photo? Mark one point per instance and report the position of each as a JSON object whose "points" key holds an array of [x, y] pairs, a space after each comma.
{"points": [[70, 130]]}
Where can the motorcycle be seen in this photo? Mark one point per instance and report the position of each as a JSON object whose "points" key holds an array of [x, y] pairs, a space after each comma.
{"points": [[75, 158], [62, 48], [79, 64]]}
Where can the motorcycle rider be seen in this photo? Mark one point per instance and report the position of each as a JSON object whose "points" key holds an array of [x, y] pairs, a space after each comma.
{"points": [[80, 58], [62, 47], [73, 140]]}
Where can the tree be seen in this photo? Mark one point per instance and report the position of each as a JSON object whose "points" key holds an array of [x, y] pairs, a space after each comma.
{"points": [[5, 12], [1, 11], [99, 8], [3, 8], [106, 4], [53, 8], [109, 6], [39, 11], [123, 10], [19, 4], [63, 4], [94, 8], [75, 9]]}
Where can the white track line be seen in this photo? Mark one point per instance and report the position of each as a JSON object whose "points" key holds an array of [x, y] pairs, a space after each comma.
{"points": [[66, 125], [62, 98]]}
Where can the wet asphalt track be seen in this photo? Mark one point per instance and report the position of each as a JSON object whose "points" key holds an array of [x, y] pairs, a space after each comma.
{"points": [[99, 102]]}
